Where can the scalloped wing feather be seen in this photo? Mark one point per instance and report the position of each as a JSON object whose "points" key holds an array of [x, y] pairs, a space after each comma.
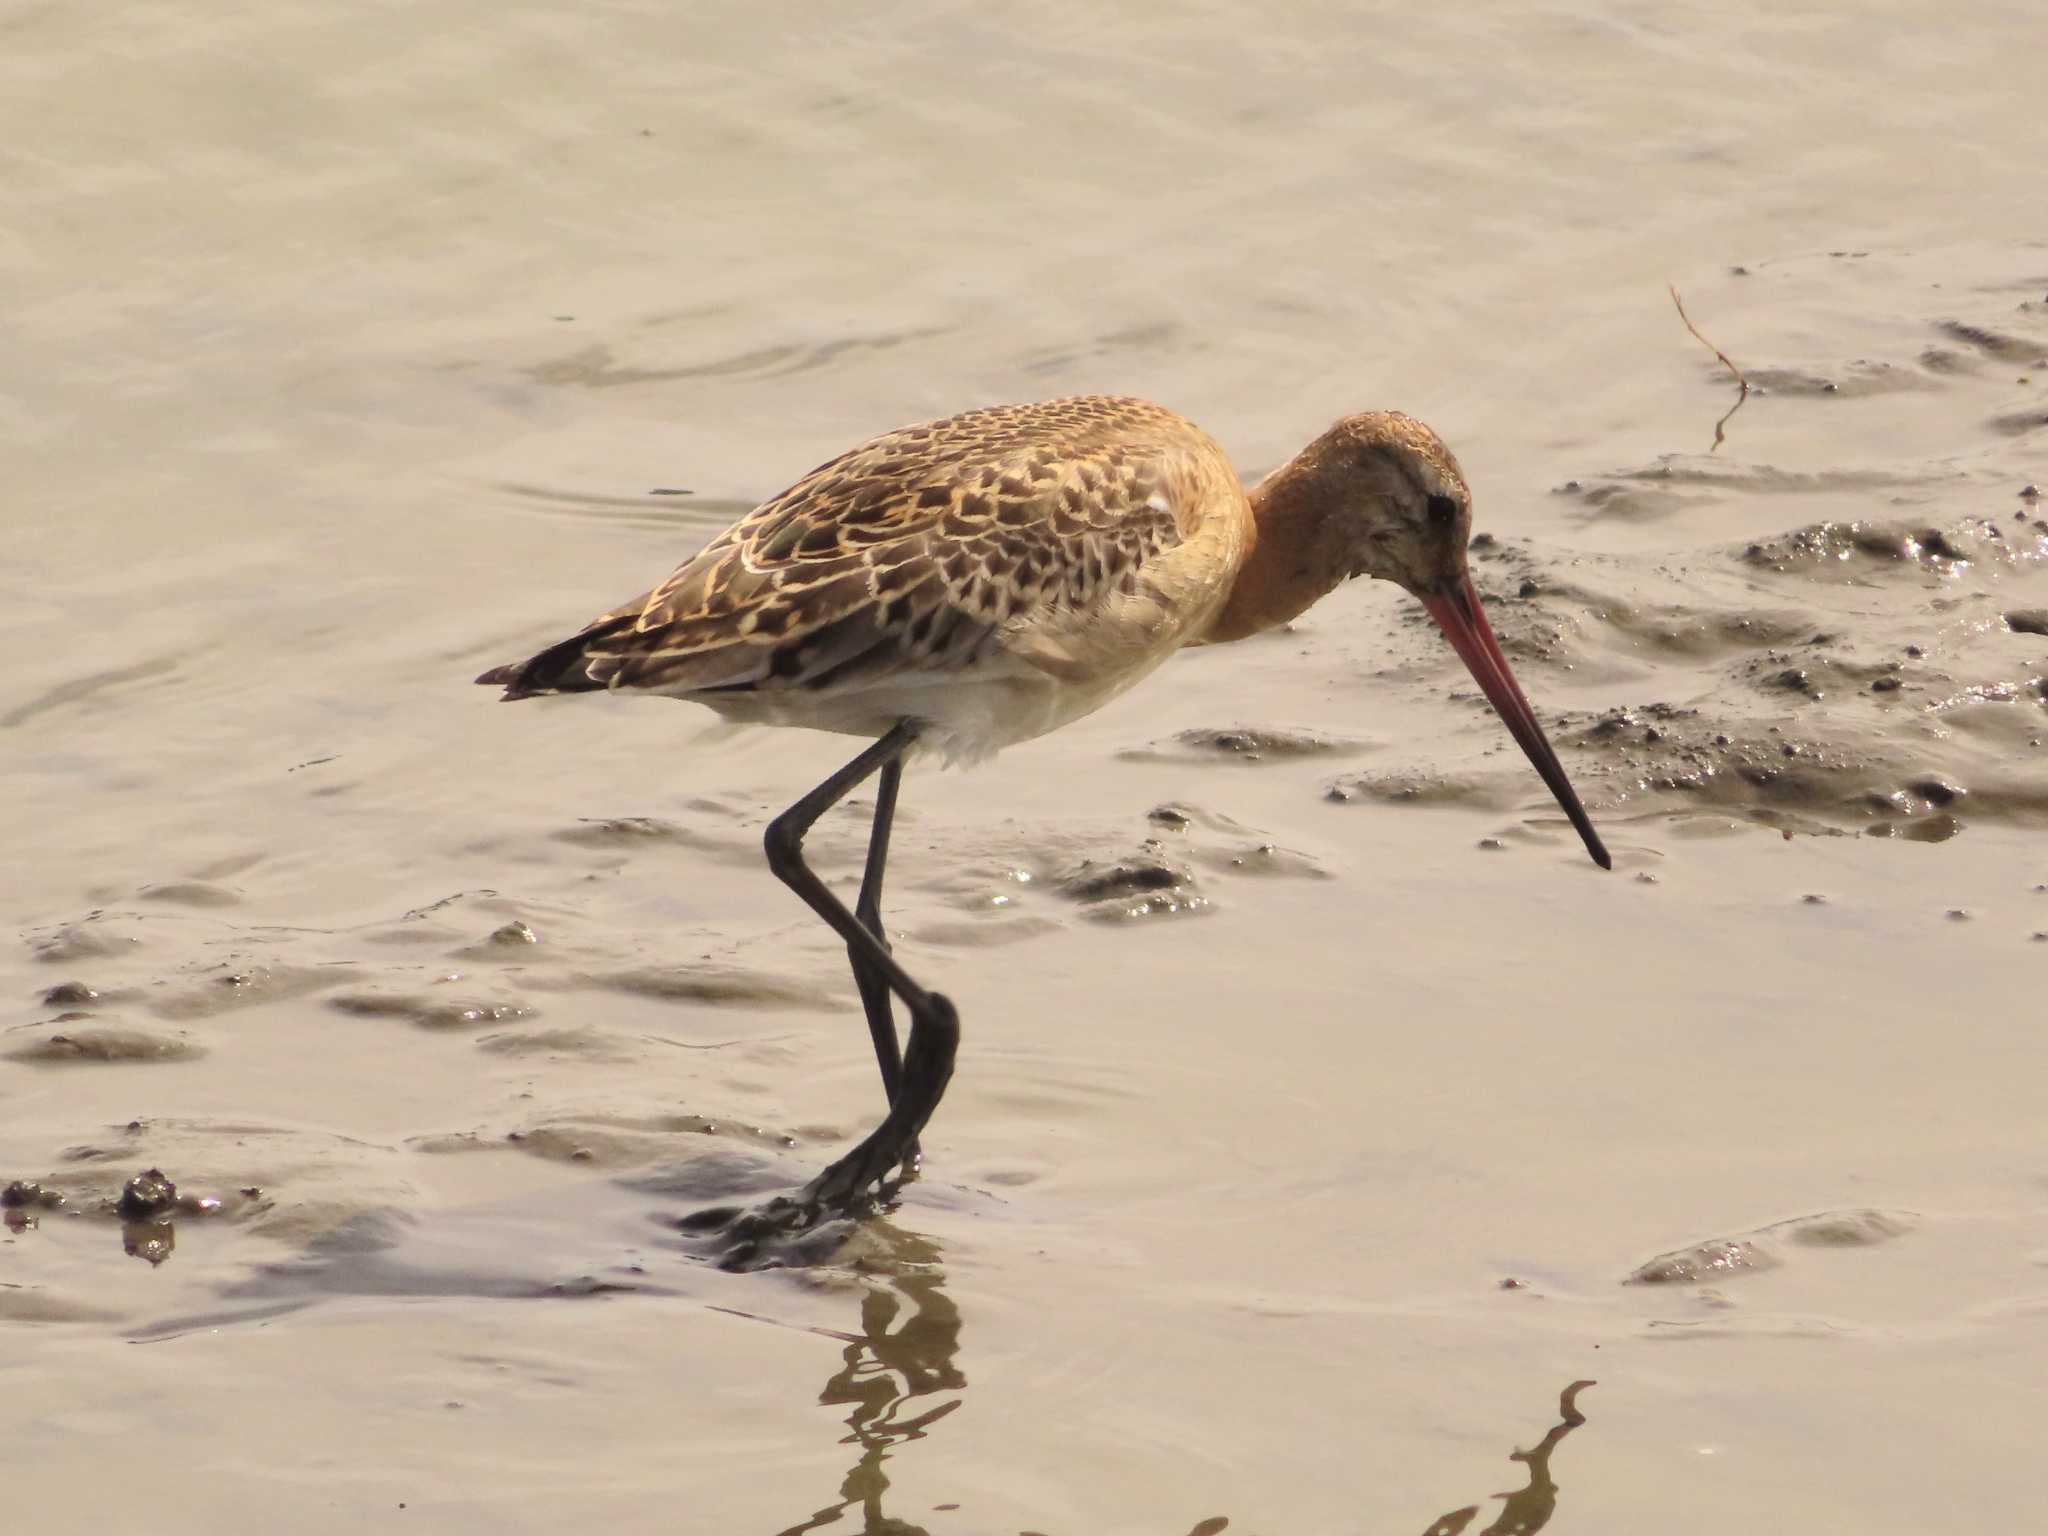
{"points": [[919, 551]]}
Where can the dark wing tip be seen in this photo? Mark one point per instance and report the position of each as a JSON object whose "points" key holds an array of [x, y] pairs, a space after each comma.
{"points": [[512, 677], [563, 667]]}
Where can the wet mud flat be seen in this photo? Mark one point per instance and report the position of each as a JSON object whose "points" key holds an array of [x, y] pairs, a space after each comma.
{"points": [[464, 1123], [1333, 1148]]}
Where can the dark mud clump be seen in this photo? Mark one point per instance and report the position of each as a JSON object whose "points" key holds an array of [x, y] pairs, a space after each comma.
{"points": [[2028, 621], [1843, 1229], [228, 988], [427, 1012], [88, 940], [2003, 346], [1813, 674], [24, 1203], [1689, 632], [1416, 787], [147, 1207], [1858, 550], [717, 986], [106, 1043], [1165, 874], [1246, 744], [622, 831], [1753, 1252], [191, 893], [1147, 883], [1268, 860], [2019, 423], [1707, 1261], [515, 940], [654, 834], [147, 1195], [1829, 775], [1846, 381], [1683, 482], [557, 1044], [618, 1141], [1625, 496]]}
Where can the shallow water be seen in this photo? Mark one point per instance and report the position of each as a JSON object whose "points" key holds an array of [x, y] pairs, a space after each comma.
{"points": [[1323, 1116]]}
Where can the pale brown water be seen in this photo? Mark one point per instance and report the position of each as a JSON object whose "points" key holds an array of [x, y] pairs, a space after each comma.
{"points": [[344, 351]]}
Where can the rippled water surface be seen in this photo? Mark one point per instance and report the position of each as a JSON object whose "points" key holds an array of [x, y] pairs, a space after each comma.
{"points": [[1327, 1130]]}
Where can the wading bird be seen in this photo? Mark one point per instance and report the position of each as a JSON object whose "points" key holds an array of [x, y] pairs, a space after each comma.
{"points": [[965, 584]]}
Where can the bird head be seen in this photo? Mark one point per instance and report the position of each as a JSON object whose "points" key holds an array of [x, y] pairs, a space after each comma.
{"points": [[1395, 506]]}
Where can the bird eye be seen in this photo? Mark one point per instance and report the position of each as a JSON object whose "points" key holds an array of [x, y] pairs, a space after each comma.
{"points": [[1442, 510]]}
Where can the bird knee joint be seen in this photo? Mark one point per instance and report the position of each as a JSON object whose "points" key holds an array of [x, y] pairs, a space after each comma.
{"points": [[784, 844]]}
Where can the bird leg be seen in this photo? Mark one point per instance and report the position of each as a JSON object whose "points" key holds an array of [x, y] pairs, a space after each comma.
{"points": [[927, 1060], [874, 987]]}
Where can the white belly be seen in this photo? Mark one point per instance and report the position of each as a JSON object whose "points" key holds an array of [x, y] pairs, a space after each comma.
{"points": [[968, 716]]}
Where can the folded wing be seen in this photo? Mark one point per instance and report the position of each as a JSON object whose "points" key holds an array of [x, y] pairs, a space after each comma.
{"points": [[918, 551]]}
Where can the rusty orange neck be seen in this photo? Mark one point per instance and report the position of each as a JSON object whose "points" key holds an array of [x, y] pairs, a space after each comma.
{"points": [[1293, 559]]}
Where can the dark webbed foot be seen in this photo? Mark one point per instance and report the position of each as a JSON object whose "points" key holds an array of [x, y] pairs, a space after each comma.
{"points": [[782, 1233], [806, 1227]]}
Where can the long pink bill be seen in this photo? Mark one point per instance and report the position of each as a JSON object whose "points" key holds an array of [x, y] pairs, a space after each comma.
{"points": [[1463, 621]]}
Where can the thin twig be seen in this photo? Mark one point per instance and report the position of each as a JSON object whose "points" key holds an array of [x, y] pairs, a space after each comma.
{"points": [[1726, 362]]}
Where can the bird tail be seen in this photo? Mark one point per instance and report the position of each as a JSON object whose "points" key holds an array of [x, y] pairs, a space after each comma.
{"points": [[564, 667]]}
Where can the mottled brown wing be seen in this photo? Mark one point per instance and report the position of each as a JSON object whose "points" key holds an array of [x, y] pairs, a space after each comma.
{"points": [[911, 552]]}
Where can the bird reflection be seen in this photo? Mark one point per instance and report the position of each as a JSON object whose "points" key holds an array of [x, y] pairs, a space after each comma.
{"points": [[902, 1359], [898, 1378], [150, 1241], [1526, 1509]]}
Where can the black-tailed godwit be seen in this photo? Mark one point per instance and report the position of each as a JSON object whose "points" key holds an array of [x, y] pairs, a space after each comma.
{"points": [[964, 584]]}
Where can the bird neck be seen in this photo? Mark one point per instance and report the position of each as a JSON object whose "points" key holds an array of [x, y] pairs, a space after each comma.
{"points": [[1293, 560]]}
